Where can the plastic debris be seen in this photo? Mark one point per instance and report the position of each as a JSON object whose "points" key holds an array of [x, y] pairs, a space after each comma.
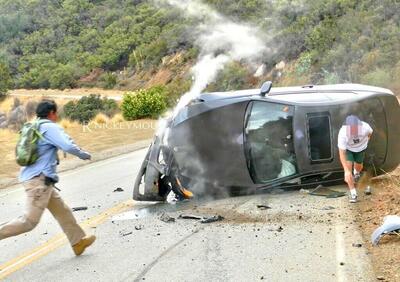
{"points": [[212, 219], [79, 209], [190, 216], [125, 233], [391, 225], [326, 192], [202, 219], [263, 207], [166, 218]]}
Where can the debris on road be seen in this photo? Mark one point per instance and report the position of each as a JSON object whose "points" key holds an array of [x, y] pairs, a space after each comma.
{"points": [[166, 218], [391, 225], [79, 209], [190, 216], [124, 233], [263, 207], [119, 189], [202, 219], [138, 227], [327, 208], [357, 245], [381, 278], [212, 219], [326, 192], [279, 229]]}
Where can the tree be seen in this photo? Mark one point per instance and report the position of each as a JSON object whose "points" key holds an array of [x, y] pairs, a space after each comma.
{"points": [[5, 79]]}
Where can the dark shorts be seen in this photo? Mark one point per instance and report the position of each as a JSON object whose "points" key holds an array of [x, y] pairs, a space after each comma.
{"points": [[355, 157]]}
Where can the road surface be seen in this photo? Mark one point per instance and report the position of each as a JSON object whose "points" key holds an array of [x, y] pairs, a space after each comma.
{"points": [[300, 238]]}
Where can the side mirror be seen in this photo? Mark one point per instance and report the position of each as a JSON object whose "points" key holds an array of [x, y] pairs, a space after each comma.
{"points": [[265, 88]]}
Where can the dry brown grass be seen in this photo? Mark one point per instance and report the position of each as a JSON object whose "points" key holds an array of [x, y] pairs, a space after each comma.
{"points": [[6, 104], [66, 123], [118, 118], [101, 118]]}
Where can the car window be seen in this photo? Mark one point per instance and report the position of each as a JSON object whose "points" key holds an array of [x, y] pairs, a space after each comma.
{"points": [[319, 136], [269, 141]]}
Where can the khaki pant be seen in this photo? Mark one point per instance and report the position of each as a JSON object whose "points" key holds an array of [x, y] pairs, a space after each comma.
{"points": [[40, 197]]}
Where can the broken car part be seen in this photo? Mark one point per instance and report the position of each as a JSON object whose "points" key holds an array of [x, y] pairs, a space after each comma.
{"points": [[391, 225], [79, 209]]}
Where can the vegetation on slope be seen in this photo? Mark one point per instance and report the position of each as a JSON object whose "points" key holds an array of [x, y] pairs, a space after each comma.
{"points": [[108, 43]]}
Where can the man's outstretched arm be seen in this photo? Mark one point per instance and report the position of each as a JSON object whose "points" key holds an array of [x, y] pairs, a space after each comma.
{"points": [[56, 135]]}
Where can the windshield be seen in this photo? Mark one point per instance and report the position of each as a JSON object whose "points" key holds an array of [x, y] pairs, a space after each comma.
{"points": [[269, 141]]}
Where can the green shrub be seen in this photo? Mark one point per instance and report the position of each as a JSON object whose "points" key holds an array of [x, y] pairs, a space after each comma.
{"points": [[110, 107], [109, 80], [5, 79], [144, 103], [88, 107], [176, 89], [378, 77], [62, 77]]}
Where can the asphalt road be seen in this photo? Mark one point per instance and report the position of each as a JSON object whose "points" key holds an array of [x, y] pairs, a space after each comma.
{"points": [[300, 238]]}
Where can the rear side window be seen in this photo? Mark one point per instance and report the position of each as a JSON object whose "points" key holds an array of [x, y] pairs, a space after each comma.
{"points": [[320, 138]]}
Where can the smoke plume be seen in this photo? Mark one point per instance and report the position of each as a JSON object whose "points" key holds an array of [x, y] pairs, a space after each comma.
{"points": [[220, 41]]}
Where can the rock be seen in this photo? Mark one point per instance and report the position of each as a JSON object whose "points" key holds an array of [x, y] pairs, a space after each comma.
{"points": [[3, 124], [17, 117], [381, 278], [119, 189], [166, 218]]}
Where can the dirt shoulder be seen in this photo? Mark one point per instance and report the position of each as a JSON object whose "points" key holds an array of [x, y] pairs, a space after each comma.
{"points": [[370, 212]]}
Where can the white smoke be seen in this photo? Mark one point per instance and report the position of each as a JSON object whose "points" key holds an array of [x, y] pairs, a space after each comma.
{"points": [[220, 41]]}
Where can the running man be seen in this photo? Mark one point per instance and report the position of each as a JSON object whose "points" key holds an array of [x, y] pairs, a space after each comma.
{"points": [[352, 142]]}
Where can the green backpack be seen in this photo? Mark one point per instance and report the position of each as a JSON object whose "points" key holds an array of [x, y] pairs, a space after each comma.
{"points": [[26, 151]]}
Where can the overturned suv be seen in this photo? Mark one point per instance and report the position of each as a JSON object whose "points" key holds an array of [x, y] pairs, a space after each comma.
{"points": [[242, 141]]}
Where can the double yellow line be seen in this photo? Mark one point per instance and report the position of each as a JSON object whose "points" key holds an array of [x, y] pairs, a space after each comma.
{"points": [[57, 241]]}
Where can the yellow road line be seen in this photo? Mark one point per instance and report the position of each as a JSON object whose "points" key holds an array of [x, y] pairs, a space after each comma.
{"points": [[57, 241]]}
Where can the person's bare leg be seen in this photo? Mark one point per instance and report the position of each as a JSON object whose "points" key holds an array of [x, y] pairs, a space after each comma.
{"points": [[358, 167], [350, 180]]}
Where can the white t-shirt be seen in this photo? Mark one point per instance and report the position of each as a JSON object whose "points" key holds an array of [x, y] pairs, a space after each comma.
{"points": [[356, 143]]}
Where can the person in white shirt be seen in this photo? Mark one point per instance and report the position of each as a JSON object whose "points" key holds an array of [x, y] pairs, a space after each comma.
{"points": [[352, 142]]}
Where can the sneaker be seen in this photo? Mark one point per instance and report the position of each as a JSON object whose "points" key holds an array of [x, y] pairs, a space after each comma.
{"points": [[368, 190], [80, 247], [353, 199]]}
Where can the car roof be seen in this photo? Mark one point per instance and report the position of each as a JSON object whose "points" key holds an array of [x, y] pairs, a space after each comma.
{"points": [[308, 94]]}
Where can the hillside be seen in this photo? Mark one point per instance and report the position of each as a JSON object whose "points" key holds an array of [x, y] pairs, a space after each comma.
{"points": [[135, 44]]}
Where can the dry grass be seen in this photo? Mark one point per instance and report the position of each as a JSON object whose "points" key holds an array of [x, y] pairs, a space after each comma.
{"points": [[66, 123], [118, 118], [101, 118], [6, 105]]}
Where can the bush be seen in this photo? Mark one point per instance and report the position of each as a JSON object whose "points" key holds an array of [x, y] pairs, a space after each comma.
{"points": [[144, 103], [378, 77], [109, 80], [5, 79], [88, 107]]}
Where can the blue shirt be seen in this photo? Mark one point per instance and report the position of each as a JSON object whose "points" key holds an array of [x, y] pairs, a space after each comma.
{"points": [[54, 138]]}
